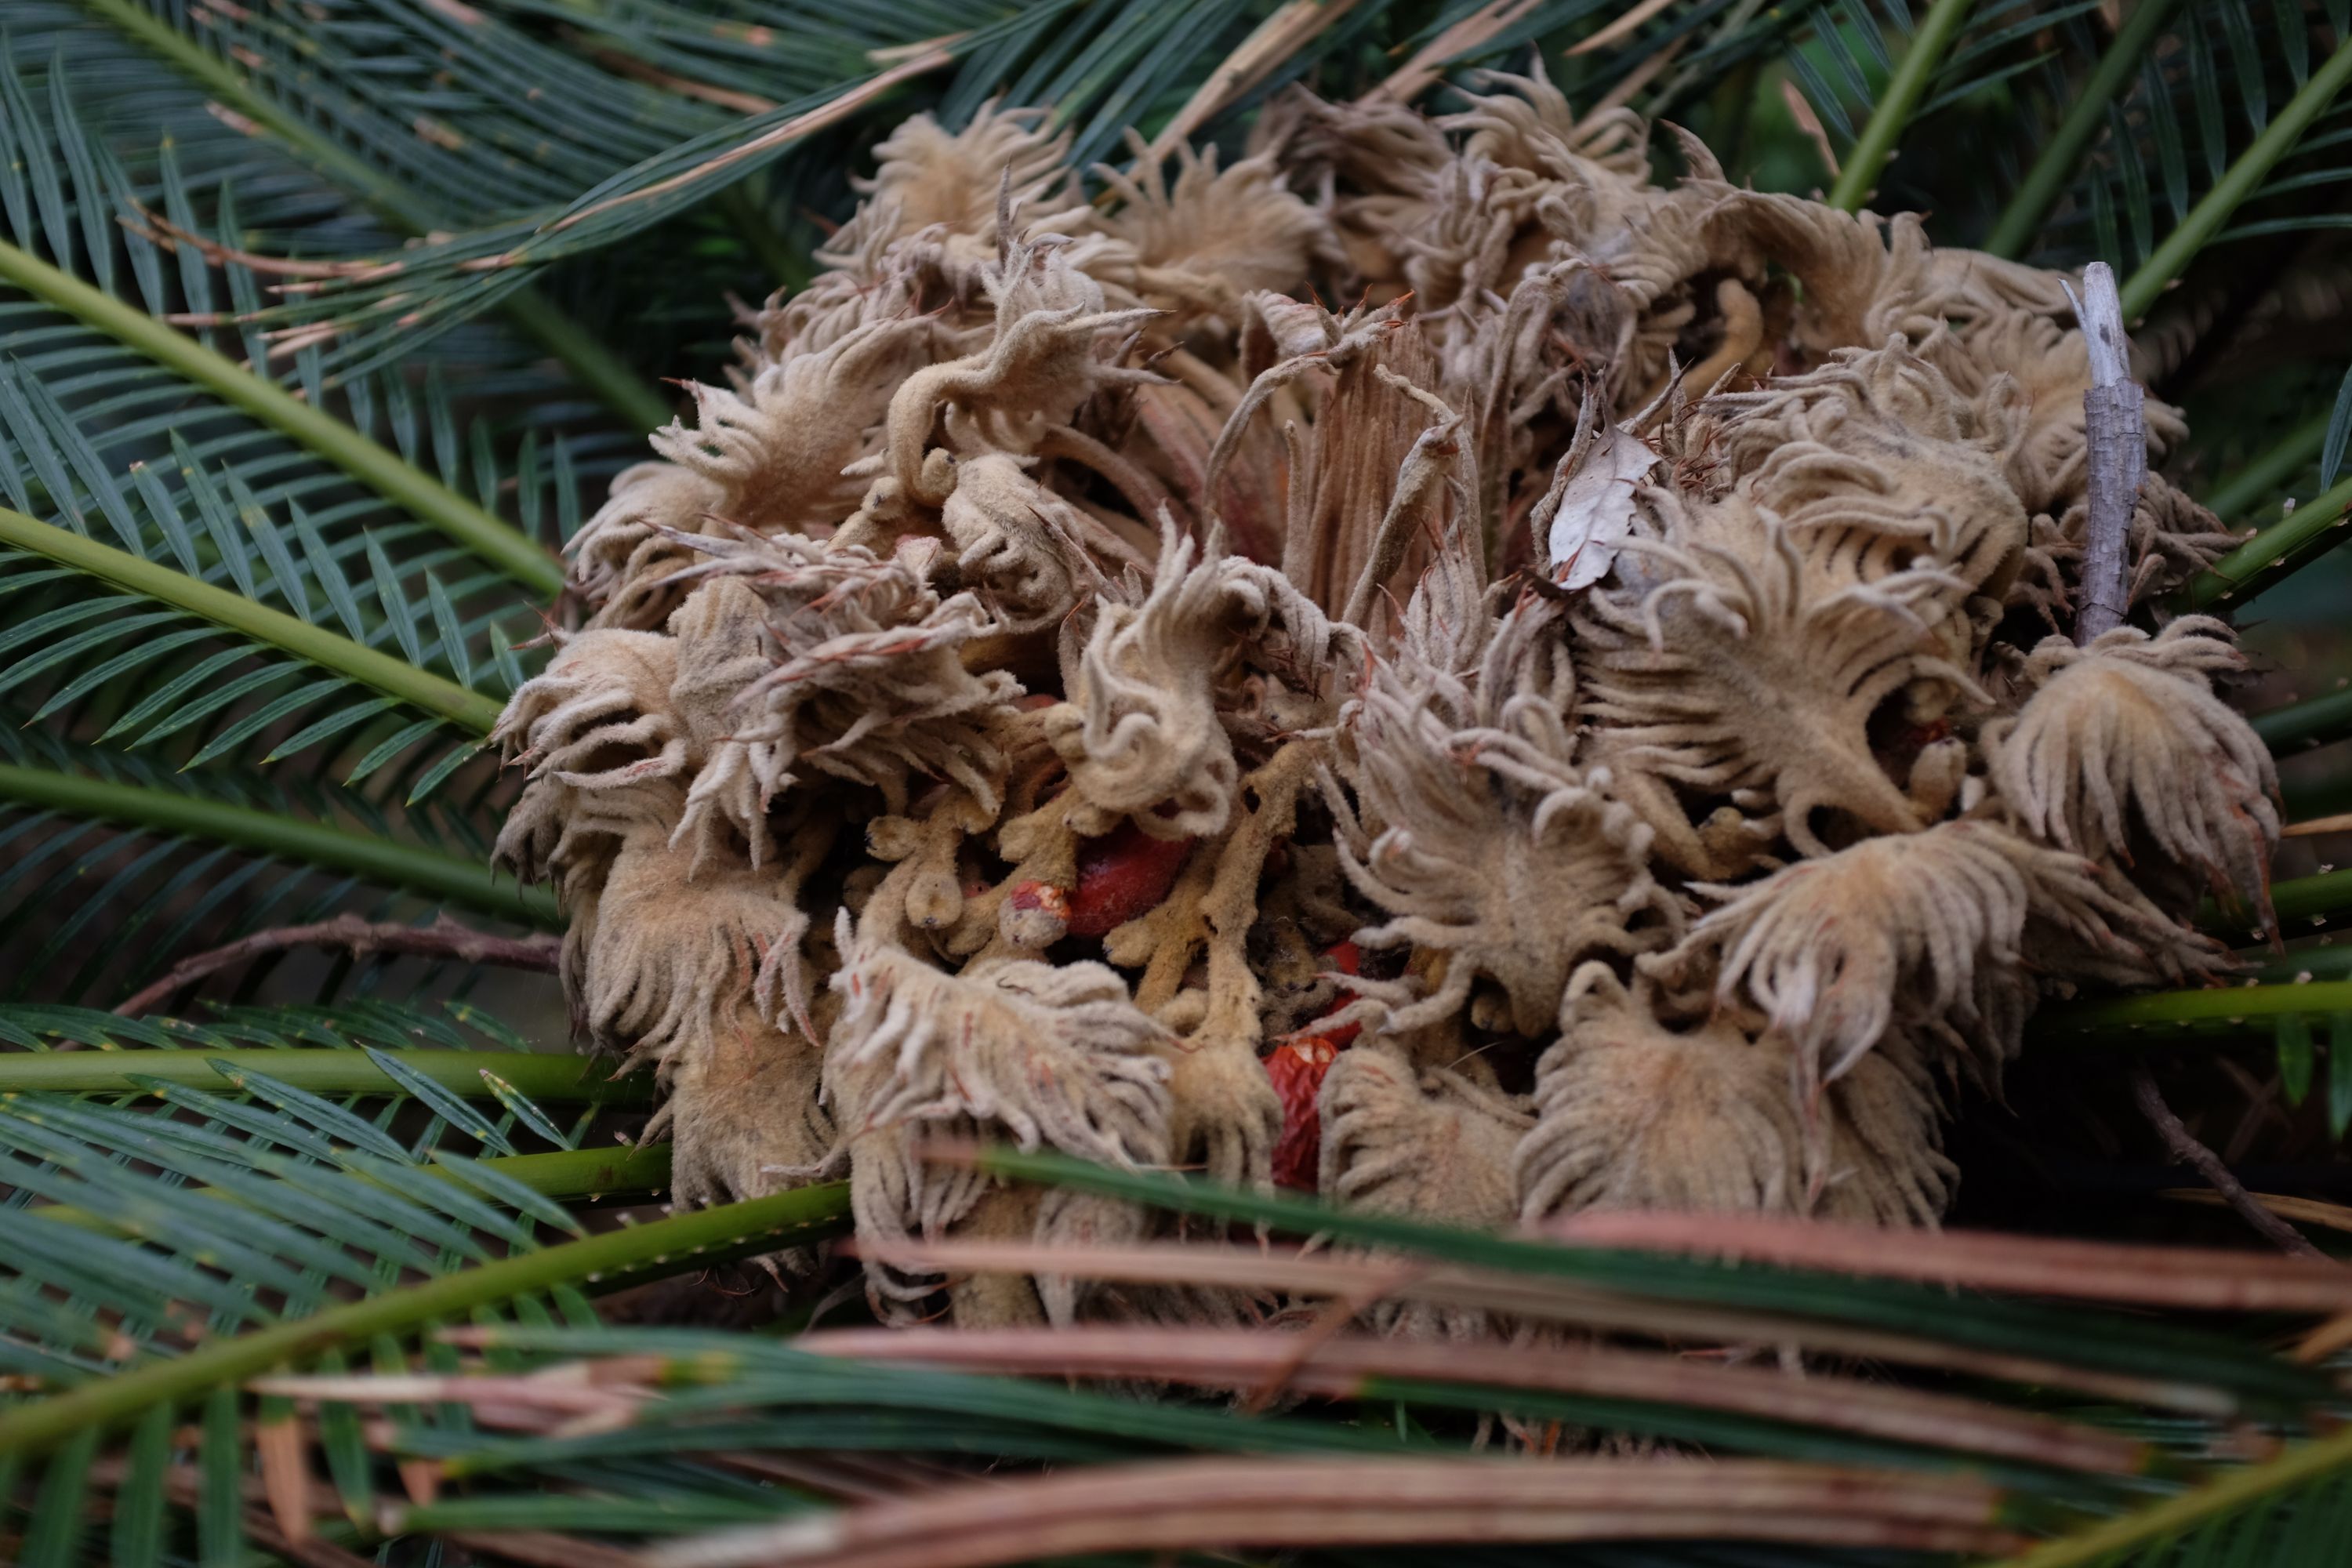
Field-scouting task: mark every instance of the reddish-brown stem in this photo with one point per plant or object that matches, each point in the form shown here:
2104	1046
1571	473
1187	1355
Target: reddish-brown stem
443	939
2184	1147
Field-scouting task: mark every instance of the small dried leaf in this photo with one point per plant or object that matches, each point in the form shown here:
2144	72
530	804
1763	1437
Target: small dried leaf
1594	508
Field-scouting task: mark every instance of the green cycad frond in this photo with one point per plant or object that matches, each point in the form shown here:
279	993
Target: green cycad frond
734	53
2180	124
269	1203
61	197
259	1128
307	81
1102	65
296	1203
171	604
2293	1510
221	636
506	134
2277	468
204	675
193	151
653	1456
529	1287
504	123
164	863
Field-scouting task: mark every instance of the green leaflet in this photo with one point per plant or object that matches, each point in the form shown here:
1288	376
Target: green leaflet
680	1243
405	486
241	615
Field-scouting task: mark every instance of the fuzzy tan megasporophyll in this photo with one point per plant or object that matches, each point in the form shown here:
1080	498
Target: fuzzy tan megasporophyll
1604	689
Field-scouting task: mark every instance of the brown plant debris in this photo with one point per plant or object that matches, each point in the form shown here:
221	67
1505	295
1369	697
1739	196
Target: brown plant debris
1586	726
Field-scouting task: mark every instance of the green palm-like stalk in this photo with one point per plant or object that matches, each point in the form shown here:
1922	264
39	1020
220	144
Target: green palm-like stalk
680	1243
406	486
571	1174
431	872
1896	104
598	368
2244	177
234	613
556	1078
2267	559
2063	153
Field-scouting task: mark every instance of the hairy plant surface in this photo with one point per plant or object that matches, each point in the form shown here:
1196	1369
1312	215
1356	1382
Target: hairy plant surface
1584	705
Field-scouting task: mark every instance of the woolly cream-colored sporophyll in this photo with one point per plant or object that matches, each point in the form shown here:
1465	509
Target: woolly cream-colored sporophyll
1574	728
2125	737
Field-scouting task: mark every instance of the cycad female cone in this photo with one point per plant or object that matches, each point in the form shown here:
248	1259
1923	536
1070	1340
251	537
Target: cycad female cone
1596	701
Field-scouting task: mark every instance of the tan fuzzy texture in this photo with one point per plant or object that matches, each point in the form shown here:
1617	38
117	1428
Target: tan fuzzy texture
1494	849
2125	737
606	757
1224	1112
1209	236
1636	1113
1567	725
1420	1142
1142	729
1875	461
598	723
1831	949
624	556
745	1114
1734	671
1042	1055
1427	1144
932	179
772	451
1885	1162
1639	1113
849	629
674	955
1054	345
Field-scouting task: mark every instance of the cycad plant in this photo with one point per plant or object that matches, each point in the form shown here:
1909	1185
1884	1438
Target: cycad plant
1296	593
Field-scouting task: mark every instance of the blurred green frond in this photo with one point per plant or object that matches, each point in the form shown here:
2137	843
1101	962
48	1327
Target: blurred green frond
167	863
2192	92
428	157
645	1436
58	196
167	609
219	1190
